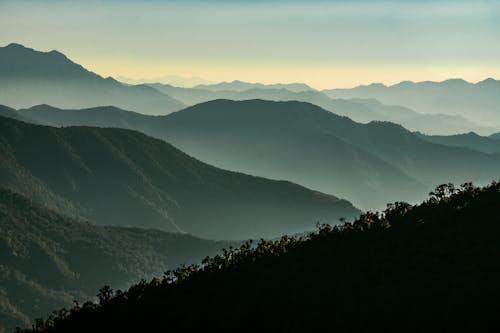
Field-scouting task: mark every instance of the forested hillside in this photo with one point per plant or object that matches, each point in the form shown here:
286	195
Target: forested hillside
48	260
368	164
429	267
122	177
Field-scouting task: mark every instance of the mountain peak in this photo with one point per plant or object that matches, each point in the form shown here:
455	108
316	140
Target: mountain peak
16	46
57	53
406	83
488	81
457	81
51	77
22	48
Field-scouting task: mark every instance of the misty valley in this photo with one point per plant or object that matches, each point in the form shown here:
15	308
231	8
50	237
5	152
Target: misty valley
188	204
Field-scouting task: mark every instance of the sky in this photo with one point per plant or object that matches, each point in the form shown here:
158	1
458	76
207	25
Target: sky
326	44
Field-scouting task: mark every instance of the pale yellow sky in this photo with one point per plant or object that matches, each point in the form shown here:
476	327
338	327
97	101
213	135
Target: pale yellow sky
319	77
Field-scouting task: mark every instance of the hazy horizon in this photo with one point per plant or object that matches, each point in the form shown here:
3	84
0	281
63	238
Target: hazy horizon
325	44
192	81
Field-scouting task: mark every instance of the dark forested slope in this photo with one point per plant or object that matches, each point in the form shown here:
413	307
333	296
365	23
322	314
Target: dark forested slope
431	267
48	260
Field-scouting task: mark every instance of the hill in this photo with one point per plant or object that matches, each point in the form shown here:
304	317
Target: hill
479	102
369	164
48	260
430	267
103	116
5	111
29	77
122	177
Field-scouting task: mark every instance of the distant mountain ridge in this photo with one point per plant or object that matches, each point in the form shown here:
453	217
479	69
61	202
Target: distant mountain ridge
303	143
8	112
122	177
20	62
240	86
479	102
29	77
487	144
176	80
495	136
360	110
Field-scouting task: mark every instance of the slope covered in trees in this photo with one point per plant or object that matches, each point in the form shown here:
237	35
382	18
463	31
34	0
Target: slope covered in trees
122	177
48	260
429	267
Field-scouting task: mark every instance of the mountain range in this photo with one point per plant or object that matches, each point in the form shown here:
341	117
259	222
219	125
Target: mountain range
241	86
479	102
104	183
47	260
360	110
176	80
121	177
488	144
29	77
8	112
495	136
303	143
